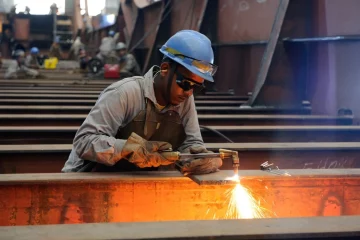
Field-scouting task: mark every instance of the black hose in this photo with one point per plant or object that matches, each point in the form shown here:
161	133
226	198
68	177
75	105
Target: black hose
217	132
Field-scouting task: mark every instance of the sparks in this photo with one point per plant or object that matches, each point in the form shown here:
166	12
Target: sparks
242	204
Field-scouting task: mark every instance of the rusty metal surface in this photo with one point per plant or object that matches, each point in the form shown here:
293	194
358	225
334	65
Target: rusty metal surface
130	13
51	158
277	82
240	20
153	16
340	227
271	47
22	29
238	67
187	14
130	198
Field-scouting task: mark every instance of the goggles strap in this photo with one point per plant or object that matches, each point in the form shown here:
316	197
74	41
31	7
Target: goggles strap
169	83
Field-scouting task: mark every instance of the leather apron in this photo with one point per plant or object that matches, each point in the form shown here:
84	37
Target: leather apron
151	125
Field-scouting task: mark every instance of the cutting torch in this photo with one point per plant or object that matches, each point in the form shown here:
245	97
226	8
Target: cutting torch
223	154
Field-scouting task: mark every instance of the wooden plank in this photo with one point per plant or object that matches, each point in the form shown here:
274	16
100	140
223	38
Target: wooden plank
343	227
54	109
45	158
65	134
204	119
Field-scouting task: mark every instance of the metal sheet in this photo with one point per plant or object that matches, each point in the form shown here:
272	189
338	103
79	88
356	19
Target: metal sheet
245	20
36	199
332	82
153	16
344	227
204	119
51	157
130	12
238	67
187	14
22	29
239	134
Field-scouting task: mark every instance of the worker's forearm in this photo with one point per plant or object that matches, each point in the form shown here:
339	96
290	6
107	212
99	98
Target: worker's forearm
99	148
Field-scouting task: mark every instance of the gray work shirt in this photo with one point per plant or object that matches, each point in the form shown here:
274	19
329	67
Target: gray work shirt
116	106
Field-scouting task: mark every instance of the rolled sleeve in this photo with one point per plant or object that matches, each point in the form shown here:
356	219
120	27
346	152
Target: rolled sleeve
95	139
191	125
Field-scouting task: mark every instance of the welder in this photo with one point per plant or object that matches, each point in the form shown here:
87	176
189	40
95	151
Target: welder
107	46
17	67
55	49
127	62
31	60
137	118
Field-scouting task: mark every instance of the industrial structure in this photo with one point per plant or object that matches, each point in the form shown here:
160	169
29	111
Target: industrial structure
282	114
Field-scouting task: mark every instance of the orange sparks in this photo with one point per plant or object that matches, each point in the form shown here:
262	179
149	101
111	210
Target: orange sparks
242	204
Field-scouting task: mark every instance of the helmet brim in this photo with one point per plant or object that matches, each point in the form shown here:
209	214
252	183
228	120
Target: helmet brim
192	69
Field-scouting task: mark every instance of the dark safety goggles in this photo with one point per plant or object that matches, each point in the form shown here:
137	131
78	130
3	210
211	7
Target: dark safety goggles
188	84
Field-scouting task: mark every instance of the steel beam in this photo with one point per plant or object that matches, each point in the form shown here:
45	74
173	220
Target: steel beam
45	158
204	119
238	134
40	199
344	227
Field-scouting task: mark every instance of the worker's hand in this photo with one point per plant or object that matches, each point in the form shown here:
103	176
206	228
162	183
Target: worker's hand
200	165
145	153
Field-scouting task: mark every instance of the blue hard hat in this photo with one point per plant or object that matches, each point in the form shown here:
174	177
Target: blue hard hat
111	33
192	50
34	50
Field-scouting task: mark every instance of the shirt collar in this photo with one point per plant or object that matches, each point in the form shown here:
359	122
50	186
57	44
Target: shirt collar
149	92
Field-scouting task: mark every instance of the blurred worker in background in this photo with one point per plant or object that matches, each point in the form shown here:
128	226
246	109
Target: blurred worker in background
107	46
31	60
83	59
55	49
75	48
136	118
54	9
128	64
17	67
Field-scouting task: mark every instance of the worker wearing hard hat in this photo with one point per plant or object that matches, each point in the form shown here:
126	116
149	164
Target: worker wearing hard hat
31	60
55	49
136	118
18	67
128	64
107	45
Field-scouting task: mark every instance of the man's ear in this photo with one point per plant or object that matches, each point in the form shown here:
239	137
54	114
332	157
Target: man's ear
164	68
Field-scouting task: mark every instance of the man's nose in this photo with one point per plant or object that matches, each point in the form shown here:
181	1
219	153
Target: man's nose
188	93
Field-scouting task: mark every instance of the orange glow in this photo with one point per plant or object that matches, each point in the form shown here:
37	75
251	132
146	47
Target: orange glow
241	204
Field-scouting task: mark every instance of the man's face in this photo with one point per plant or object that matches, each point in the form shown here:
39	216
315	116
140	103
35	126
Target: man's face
21	59
177	94
122	52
